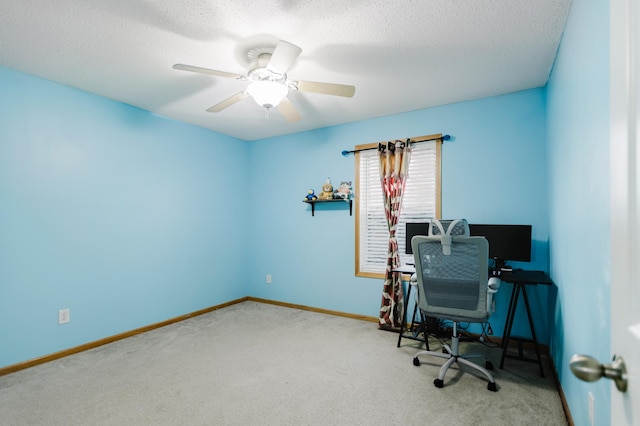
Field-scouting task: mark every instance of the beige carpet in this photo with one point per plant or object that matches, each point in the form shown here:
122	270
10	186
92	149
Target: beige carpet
259	364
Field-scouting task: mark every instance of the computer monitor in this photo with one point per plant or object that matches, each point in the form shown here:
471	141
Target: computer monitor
412	229
506	242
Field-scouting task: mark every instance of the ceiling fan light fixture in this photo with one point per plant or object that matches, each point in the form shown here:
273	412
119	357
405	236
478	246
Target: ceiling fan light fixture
268	82
267	94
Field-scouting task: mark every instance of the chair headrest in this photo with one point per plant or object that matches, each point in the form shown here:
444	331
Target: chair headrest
448	229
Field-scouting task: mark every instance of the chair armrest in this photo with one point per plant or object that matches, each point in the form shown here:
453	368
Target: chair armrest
494	284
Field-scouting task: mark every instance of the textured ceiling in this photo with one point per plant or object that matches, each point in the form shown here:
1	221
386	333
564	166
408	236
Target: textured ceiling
401	55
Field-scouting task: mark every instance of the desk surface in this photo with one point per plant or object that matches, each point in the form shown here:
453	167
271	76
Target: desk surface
406	269
517	276
521	276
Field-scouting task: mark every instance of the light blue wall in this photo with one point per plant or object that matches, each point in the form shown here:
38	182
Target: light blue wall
494	171
578	134
122	216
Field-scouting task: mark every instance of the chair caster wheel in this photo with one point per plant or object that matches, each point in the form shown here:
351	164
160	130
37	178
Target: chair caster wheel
416	362
488	365
492	387
440	383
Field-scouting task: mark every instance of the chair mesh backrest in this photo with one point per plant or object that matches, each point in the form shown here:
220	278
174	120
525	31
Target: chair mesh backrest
452	285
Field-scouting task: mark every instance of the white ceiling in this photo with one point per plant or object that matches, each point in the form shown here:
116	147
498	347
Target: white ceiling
401	55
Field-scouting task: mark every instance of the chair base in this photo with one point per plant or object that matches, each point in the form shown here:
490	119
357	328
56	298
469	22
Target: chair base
451	354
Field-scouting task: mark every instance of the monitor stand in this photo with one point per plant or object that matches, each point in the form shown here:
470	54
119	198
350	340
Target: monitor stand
501	265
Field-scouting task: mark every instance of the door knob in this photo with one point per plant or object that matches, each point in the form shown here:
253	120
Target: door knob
589	369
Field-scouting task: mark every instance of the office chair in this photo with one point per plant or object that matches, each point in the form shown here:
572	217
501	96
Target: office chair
452	282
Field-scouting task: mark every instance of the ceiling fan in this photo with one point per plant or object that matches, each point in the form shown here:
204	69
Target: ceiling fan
269	84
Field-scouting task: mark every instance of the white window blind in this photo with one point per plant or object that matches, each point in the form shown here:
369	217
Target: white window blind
420	204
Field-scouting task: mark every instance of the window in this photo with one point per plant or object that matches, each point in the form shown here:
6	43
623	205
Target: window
421	202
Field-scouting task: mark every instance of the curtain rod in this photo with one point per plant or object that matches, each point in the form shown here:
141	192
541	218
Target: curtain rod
443	138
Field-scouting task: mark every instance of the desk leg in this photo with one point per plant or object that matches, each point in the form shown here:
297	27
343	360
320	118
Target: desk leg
403	323
533	331
513	304
421	325
511	313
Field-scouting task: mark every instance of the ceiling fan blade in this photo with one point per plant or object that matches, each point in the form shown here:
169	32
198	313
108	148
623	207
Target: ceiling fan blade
325	88
200	70
283	57
288	110
228	102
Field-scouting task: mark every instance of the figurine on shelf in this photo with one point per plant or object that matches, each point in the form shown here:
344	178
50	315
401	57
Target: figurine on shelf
327	191
311	195
344	191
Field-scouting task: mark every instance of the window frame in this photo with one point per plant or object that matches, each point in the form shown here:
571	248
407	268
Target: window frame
438	193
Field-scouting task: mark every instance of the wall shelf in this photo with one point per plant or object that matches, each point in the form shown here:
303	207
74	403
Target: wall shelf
313	204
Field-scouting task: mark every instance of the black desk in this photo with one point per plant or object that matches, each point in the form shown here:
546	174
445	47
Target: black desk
520	279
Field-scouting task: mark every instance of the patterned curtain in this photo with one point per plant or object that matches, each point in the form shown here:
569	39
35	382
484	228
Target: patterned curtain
394	160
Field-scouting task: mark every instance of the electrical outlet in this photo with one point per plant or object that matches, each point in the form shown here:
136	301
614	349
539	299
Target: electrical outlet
268	278
64	316
592	409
